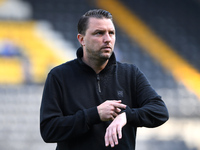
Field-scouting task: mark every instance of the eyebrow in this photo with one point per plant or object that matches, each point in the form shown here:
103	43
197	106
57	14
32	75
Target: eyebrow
102	30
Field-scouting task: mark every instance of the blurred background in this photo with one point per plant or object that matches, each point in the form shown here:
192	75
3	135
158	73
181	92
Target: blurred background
161	37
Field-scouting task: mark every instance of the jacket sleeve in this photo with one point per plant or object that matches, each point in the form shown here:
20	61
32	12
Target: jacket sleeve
151	111
54	126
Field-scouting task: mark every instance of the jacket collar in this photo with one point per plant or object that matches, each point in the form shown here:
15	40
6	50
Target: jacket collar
79	54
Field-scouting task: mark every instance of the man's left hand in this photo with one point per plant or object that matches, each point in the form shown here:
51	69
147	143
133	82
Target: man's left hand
114	130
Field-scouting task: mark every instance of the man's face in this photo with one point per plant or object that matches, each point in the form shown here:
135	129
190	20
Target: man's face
99	39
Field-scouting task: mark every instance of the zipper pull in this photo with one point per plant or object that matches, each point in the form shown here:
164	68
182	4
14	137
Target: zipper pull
98	83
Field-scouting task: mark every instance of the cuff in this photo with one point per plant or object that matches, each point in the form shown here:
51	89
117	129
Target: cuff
92	116
128	113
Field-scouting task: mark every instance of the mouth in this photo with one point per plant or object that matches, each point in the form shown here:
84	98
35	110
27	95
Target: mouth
106	48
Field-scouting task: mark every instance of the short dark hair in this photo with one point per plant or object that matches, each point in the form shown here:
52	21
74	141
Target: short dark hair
96	13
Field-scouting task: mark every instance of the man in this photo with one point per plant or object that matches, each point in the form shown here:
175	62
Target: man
95	102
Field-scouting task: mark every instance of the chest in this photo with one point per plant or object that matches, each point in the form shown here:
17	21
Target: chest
86	91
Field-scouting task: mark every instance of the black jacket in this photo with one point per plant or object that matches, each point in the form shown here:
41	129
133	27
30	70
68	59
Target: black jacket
72	93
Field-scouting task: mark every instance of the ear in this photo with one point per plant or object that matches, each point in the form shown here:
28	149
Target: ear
80	38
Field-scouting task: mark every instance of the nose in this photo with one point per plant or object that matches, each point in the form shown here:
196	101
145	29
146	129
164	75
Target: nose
107	38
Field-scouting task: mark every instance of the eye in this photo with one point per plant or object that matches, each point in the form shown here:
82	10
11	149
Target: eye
112	32
99	33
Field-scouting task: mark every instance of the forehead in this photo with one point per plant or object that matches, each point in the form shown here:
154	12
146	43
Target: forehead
100	24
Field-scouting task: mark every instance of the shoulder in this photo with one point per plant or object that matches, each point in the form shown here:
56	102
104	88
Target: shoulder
128	69
126	66
61	73
63	68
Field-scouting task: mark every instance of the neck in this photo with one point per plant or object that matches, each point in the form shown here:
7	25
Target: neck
97	66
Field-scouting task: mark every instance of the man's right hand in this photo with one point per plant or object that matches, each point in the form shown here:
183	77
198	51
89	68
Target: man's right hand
110	109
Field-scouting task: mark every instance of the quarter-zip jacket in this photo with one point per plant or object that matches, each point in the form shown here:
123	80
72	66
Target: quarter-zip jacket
72	92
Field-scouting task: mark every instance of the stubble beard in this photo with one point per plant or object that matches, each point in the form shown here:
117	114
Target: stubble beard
100	55
104	56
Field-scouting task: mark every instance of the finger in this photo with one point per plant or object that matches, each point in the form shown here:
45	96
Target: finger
119	105
106	139
114	114
112	118
117	110
111	138
119	132
113	101
118	101
114	136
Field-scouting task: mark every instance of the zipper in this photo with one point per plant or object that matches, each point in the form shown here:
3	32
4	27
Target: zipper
98	83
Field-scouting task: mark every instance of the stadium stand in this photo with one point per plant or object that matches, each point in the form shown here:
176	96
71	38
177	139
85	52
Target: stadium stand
35	52
176	22
44	34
